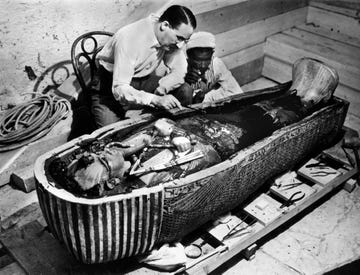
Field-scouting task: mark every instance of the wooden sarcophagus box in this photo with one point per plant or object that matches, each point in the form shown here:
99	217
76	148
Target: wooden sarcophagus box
127	221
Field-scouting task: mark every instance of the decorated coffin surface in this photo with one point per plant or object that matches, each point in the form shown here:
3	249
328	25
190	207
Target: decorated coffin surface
100	229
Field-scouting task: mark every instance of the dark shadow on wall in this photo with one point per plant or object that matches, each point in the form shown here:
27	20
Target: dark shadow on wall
50	80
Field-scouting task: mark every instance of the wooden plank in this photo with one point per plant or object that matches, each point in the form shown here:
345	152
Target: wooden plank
315	29
234	16
23	216
245	36
349	54
334	21
36	250
12	200
224	255
289	49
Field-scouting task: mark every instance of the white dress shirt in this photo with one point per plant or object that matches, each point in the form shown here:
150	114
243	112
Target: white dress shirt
134	51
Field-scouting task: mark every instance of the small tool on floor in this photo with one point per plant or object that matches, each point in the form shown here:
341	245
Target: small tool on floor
321	173
297	196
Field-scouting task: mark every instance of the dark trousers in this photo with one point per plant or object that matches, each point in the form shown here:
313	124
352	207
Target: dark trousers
106	110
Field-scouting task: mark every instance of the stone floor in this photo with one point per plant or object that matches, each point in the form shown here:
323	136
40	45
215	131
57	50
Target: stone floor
325	238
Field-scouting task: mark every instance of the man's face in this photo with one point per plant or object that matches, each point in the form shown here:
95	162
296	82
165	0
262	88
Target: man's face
173	38
200	58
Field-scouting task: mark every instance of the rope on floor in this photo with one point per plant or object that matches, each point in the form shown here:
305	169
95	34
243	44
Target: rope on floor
31	120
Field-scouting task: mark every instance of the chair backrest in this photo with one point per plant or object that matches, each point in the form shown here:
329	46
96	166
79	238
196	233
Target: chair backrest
83	56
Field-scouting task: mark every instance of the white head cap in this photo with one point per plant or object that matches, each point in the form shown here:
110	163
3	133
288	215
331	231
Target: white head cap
201	40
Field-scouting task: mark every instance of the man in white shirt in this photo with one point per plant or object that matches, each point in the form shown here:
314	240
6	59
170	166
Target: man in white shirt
207	78
130	57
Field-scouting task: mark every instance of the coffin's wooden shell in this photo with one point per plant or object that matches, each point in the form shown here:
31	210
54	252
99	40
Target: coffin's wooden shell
114	227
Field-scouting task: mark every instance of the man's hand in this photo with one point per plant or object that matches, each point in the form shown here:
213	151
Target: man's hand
192	76
160	91
199	97
167	102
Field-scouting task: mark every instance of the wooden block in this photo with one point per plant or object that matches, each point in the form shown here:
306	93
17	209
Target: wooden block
285	194
266	215
24	179
224	225
350	185
320	173
249	252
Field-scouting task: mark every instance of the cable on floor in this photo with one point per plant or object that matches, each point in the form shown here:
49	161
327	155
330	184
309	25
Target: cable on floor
31	120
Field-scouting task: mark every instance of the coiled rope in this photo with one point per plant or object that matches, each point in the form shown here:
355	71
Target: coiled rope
31	120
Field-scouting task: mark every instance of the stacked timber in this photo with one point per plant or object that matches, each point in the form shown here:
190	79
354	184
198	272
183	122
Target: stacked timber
330	35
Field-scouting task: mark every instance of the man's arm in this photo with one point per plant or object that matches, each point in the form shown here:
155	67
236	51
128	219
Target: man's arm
177	66
124	64
228	84
124	69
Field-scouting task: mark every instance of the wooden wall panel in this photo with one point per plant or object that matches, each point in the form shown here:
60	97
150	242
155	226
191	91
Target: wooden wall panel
334	21
249	71
234	16
246	65
239	38
244	56
289	49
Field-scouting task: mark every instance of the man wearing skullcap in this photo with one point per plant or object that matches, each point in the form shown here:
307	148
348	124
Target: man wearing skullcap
207	78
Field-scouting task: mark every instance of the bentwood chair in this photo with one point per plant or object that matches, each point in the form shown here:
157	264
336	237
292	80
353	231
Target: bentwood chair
84	52
83	57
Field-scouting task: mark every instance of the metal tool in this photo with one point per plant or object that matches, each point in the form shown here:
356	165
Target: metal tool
318	165
297	196
288	185
322	173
